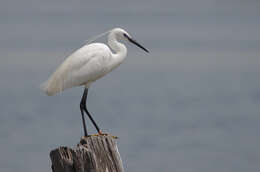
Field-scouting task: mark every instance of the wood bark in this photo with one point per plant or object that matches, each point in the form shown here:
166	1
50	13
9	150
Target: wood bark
92	154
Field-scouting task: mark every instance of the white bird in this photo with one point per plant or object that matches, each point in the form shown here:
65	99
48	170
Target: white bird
86	65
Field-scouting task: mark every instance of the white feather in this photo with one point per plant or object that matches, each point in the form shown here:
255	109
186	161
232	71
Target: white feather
89	63
84	66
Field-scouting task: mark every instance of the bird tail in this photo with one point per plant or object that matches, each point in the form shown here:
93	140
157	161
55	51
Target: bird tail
52	86
46	88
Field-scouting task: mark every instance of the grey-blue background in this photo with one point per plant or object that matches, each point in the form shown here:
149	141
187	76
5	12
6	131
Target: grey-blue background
192	104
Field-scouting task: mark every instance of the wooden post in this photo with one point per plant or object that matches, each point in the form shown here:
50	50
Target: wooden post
92	154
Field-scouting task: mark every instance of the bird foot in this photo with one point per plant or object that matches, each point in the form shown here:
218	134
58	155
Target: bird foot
103	134
99	134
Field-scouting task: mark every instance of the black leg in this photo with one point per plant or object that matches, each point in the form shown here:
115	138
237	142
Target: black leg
84	123
84	102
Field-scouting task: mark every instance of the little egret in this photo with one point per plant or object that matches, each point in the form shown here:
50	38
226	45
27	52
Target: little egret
88	64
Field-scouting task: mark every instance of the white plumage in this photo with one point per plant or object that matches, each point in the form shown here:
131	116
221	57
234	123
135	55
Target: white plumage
84	66
88	64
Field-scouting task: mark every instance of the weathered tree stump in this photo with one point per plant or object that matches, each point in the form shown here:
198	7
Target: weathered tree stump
92	154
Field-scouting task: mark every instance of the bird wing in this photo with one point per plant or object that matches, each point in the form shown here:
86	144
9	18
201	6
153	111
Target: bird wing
83	66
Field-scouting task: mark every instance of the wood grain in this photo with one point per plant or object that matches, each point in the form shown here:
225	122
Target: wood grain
92	154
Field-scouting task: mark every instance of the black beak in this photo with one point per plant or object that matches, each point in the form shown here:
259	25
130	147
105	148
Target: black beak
136	43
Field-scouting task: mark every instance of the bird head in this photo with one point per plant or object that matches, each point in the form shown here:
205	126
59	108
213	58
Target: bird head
123	35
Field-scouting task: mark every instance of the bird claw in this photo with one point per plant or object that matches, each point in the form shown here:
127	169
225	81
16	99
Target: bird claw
103	134
99	134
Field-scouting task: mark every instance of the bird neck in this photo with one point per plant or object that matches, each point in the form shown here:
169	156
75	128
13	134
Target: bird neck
118	48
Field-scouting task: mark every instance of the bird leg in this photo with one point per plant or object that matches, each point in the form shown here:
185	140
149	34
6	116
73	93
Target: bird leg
82	102
84	107
84	123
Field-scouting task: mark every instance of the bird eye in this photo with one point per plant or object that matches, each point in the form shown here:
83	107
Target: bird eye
125	35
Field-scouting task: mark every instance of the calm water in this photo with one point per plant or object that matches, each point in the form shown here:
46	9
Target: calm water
192	104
